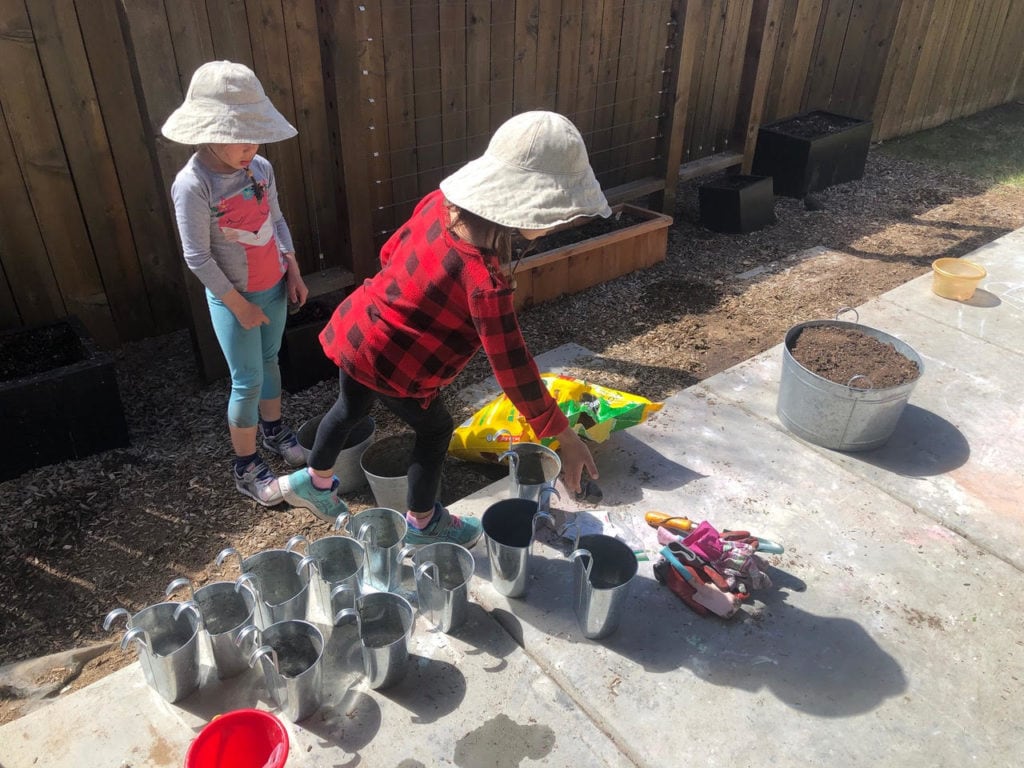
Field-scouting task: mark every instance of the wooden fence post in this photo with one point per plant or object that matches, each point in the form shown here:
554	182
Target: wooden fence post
762	41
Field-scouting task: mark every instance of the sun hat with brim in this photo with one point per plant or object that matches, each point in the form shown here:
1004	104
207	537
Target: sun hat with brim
226	104
534	174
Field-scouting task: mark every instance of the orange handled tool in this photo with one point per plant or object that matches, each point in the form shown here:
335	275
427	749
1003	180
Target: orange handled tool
672	522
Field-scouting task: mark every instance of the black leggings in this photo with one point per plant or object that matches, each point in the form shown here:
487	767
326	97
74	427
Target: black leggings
433	427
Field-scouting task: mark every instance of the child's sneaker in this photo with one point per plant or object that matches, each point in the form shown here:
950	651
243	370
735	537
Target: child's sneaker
446	527
299	491
286	445
258	483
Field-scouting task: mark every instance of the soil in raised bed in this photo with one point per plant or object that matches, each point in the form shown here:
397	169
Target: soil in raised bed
31	352
594	227
840	354
814	124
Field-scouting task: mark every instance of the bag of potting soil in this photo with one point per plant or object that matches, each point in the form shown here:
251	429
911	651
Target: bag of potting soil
593	411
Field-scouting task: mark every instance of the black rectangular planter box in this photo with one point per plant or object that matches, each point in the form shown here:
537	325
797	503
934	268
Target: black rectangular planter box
737	203
302	359
59	397
811	151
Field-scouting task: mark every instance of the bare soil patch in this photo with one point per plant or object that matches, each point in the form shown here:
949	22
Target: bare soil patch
81	538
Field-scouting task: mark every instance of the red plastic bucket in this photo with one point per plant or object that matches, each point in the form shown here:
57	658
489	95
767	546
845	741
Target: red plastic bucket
245	738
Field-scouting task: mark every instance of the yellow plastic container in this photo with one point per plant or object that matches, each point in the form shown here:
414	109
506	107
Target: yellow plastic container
955	278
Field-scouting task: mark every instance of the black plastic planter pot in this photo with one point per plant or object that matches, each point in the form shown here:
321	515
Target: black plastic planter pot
59	397
811	151
737	203
302	359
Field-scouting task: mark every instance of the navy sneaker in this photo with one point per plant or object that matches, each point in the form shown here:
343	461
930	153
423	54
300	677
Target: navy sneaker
285	444
258	483
299	491
446	527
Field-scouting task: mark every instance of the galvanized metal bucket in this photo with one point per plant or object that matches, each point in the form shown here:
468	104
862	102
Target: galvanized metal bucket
277	580
291	654
443	571
382	533
167	635
532	467
510	527
839	416
335	566
603	569
347	466
225	607
385	622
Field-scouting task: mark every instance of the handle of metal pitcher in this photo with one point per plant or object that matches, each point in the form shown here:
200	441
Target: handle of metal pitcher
341	521
405	552
189	605
294	541
139	635
544	499
307	562
577	554
244	634
108	620
177	584
227	552
346	613
842	310
422	568
513	462
495	435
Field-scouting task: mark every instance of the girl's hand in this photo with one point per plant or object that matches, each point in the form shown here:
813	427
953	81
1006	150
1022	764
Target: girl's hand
249	315
575	457
297	290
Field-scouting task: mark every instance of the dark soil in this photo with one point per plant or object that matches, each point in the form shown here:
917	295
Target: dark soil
579	232
814	124
847	356
31	352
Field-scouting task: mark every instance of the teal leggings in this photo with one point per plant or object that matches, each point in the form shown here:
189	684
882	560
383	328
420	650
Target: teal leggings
252	354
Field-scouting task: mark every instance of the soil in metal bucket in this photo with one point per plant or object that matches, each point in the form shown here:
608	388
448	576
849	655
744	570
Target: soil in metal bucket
534	468
840	354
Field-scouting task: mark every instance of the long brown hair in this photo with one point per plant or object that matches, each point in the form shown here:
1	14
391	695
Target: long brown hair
484	233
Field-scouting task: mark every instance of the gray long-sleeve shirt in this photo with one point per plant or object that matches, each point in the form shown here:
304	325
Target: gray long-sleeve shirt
232	235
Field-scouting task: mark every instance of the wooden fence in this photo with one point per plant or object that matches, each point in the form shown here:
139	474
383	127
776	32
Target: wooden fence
391	95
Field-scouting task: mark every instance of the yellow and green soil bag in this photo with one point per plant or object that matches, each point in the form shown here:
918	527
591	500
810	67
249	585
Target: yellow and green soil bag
593	411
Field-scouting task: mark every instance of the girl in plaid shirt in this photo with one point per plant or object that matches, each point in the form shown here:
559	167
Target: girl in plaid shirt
443	293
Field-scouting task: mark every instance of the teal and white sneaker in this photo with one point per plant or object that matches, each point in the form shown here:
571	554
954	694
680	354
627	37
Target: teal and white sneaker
445	526
285	444
258	483
299	491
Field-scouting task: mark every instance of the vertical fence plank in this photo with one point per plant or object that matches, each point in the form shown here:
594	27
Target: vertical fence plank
588	69
546	73
700	23
681	57
853	56
728	83
980	82
1009	58
371	112
798	61
503	25
925	74
900	70
26	269
625	91
599	141
453	83
144	198
478	65
307	84
759	60
76	108
229	31
190	34
567	68
700	139
399	89
877	44
940	101
427	89
828	48
36	139
524	69
642	158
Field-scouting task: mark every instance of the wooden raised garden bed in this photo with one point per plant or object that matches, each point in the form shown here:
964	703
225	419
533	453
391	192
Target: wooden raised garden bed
59	397
591	253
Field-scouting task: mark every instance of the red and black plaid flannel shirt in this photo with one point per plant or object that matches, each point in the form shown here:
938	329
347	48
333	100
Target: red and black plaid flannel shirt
410	329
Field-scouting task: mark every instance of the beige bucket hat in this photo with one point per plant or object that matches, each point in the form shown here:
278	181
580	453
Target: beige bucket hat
535	174
226	104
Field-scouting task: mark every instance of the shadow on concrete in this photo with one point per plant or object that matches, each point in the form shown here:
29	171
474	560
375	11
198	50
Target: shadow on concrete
923	445
826	666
